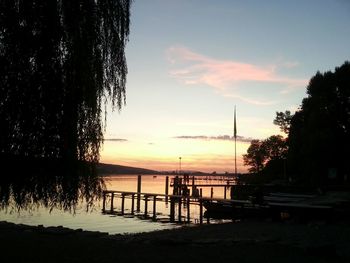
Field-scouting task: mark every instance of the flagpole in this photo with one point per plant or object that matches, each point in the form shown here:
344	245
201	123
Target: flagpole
235	136
235	157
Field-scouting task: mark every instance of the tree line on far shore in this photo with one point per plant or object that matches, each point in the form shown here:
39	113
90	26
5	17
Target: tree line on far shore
316	149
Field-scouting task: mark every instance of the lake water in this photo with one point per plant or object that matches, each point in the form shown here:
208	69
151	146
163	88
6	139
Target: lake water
95	220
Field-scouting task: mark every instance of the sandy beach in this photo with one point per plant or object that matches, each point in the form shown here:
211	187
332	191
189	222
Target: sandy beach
244	241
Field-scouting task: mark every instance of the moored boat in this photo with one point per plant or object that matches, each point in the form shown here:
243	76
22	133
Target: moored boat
233	209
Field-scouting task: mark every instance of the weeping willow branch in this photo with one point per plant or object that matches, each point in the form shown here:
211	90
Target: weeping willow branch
61	62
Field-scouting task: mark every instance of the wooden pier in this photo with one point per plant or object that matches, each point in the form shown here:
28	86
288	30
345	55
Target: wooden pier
175	207
187	192
173	200
243	200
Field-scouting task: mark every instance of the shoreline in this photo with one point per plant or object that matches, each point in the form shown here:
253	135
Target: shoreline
244	241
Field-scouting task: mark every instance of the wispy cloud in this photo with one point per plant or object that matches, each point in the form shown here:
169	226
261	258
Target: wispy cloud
290	64
220	138
226	76
115	140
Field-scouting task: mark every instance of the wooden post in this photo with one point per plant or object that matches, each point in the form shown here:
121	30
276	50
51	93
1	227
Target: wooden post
154	207
112	197
180	186
104	203
224	192
138	192
166	188
193	186
146	203
123	200
176	185
179	212
211	192
200	211
200	192
188	209
172	209
132	203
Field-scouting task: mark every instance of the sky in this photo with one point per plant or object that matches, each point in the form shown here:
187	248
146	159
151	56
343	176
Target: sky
190	62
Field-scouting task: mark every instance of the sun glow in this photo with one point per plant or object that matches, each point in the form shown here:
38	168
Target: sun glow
205	155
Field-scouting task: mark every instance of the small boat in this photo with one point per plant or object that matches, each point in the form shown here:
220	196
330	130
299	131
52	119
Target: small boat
219	209
228	209
218	206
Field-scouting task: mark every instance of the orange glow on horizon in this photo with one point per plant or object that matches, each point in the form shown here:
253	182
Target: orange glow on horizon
196	155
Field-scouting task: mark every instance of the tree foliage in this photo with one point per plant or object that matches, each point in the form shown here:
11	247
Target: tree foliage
283	120
255	157
61	61
275	147
319	137
262	152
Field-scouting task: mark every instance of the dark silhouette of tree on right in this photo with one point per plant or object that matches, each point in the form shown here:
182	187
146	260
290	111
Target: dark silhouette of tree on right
317	149
319	134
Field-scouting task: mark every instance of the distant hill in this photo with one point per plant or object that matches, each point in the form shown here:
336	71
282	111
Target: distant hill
106	169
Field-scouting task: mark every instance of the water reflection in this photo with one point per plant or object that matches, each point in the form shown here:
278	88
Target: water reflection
52	193
50	184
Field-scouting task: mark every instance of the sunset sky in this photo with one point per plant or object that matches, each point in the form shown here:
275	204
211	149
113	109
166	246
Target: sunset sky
191	61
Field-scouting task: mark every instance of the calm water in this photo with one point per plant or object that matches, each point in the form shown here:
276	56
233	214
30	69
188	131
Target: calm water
94	220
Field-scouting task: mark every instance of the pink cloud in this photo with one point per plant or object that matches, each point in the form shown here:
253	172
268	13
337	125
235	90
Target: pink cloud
225	76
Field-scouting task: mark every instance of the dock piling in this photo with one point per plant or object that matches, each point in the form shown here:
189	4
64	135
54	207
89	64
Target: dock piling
123	201
188	210
132	203
179	212
172	209
200	211
104	203
138	192
193	186
146	204
112	197
154	207
166	188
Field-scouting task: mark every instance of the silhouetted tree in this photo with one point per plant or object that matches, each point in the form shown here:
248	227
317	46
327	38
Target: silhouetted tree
283	120
61	61
260	153
255	157
275	147
47	184
319	137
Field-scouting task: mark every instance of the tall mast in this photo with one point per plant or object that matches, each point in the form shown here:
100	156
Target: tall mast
235	136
